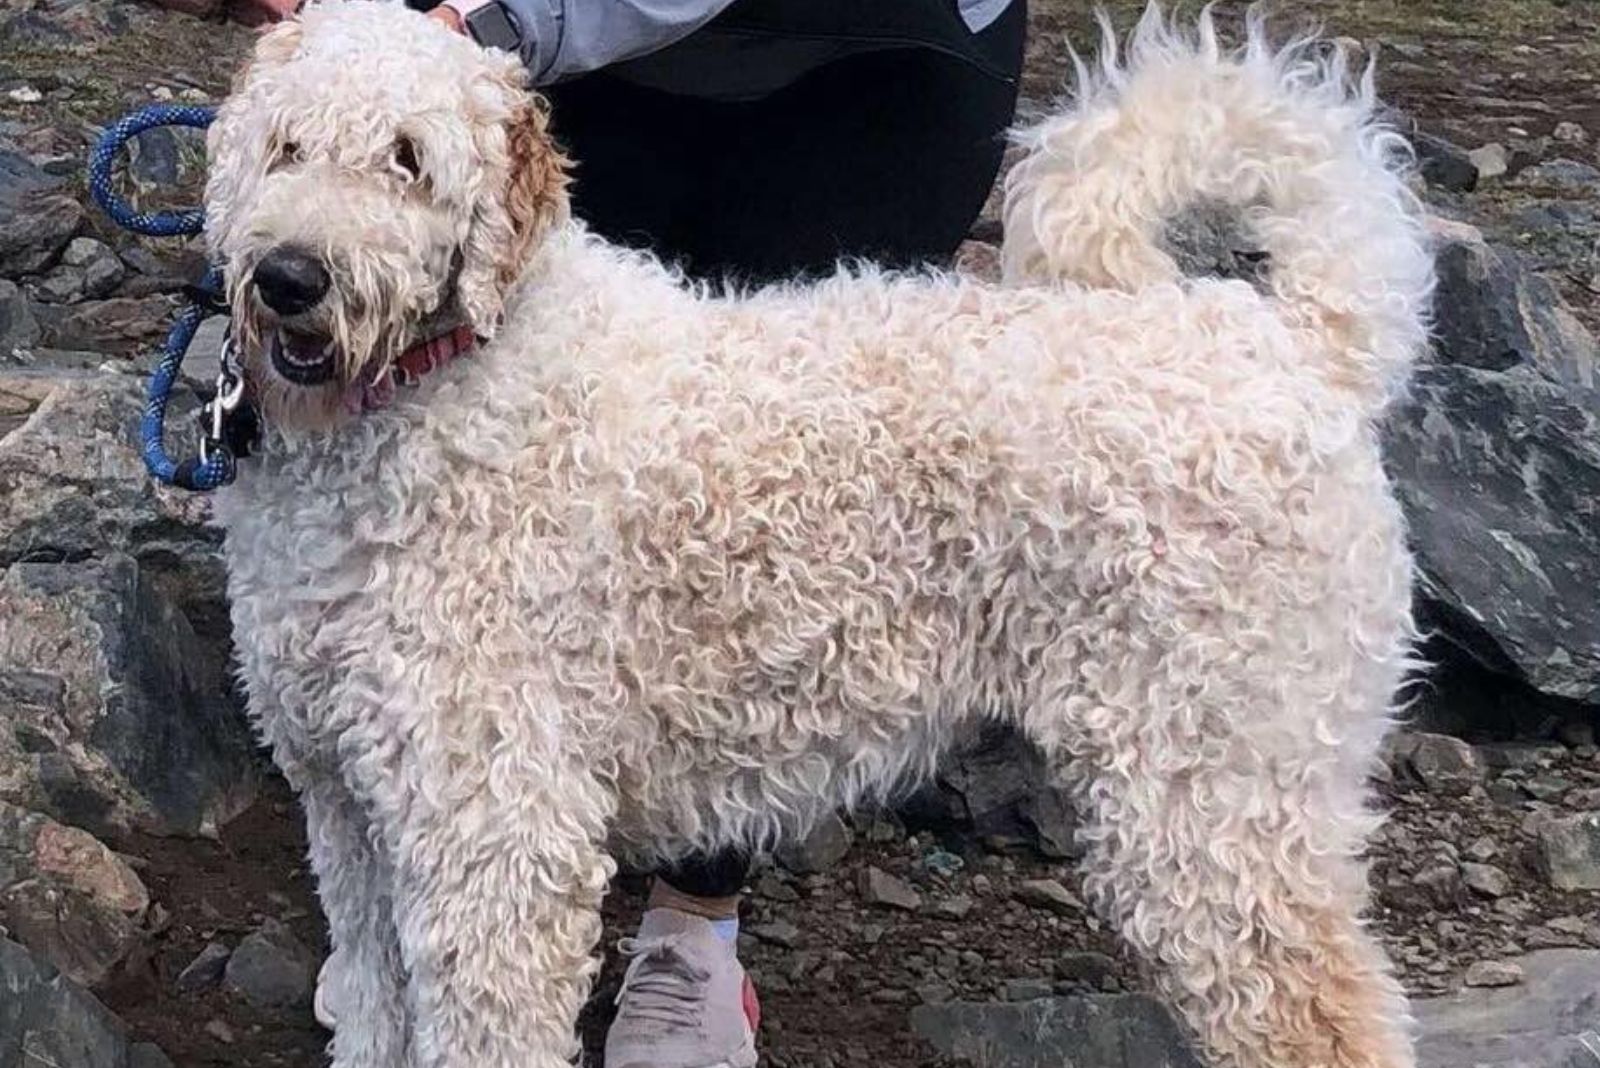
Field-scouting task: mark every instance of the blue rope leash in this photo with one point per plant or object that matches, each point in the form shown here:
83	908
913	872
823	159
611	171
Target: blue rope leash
215	465
104	156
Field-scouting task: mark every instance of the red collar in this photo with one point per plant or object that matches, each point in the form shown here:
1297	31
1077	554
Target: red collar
409	368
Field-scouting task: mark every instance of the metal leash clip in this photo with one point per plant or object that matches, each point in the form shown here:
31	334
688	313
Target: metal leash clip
229	395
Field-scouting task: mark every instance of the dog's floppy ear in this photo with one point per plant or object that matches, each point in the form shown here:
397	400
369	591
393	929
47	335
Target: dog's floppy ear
527	196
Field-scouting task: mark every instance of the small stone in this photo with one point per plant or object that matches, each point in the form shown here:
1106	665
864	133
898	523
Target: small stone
1583	800
100	267
773	888
777	933
1491	160
271	968
935	993
205	971
1570	925
982	884
1493	973
883	829
1050	895
1482	849
83	862
1505	792
24	94
61	285
1445	765
955	907
878	887
1439	882
220	1031
1485	879
81	251
820	850
1546	787
1091	969
1570	133
1444	165
943	863
1027	989
1566	176
1569	851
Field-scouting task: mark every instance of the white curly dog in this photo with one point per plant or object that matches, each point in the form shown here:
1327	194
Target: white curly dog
655	569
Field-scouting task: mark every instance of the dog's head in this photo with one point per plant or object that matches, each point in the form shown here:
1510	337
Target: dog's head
374	180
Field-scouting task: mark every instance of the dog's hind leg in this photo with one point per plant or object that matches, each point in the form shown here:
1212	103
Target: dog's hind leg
1223	840
361	990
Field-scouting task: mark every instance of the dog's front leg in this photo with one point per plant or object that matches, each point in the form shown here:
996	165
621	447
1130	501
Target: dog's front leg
361	991
499	872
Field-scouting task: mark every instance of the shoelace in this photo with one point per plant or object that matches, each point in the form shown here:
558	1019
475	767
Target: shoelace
666	986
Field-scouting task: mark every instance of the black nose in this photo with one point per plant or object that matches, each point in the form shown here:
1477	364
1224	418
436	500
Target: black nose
290	280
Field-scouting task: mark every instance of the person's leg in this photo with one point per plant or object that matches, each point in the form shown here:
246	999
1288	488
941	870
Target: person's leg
887	155
704	886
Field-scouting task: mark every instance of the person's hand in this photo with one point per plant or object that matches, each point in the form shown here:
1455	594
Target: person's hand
448	16
262	12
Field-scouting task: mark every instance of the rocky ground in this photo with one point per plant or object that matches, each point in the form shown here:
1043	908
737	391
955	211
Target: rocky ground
149	856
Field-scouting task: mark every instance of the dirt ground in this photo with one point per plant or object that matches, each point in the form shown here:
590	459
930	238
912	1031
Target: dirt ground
838	994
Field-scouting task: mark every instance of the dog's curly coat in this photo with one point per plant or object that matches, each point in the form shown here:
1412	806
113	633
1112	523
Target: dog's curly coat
680	570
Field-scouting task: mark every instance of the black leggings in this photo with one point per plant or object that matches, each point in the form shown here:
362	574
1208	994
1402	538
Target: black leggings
886	154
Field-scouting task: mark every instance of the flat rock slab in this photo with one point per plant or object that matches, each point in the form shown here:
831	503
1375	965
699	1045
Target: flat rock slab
1088	1031
1552	1020
46	1020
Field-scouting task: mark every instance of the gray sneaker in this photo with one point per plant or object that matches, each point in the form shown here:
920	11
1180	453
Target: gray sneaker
685	1002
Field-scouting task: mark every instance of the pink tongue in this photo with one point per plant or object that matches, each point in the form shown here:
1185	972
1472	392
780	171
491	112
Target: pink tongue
371	391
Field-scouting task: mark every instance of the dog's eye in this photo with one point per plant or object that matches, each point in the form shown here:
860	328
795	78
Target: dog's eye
405	157
288	152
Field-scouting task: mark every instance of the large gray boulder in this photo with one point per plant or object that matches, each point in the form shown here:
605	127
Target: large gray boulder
1496	459
120	717
1494	315
1552	1020
1082	1031
1499	474
72	484
114	637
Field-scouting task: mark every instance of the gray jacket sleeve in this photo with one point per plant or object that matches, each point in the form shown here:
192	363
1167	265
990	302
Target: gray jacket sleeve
566	37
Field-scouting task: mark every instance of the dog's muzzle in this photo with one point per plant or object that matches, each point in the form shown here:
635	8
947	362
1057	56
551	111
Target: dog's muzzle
292	281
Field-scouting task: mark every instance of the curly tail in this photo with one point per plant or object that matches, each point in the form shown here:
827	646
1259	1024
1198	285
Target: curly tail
1288	136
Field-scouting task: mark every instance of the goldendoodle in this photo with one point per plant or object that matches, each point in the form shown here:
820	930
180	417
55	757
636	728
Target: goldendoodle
548	553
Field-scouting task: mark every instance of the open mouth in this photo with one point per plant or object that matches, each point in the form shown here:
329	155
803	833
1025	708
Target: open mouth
304	359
